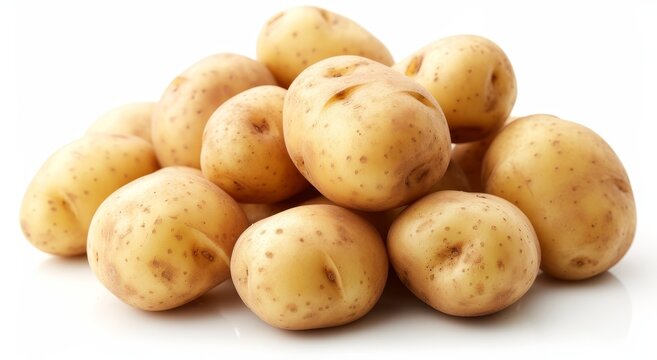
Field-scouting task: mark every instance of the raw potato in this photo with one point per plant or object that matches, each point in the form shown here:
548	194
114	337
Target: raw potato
453	179
243	149
364	135
299	37
573	188
470	157
464	254
165	239
310	267
471	78
186	105
66	191
129	119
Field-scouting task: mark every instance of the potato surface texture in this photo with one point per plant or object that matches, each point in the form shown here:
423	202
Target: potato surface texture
464	254
186	105
364	135
309	267
299	37
471	78
129	119
243	148
66	191
573	188
164	239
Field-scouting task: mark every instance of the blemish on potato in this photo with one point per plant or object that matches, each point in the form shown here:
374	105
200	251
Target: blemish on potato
269	254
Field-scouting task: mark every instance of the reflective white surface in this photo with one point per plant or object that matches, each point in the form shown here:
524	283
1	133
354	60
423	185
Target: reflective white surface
68	62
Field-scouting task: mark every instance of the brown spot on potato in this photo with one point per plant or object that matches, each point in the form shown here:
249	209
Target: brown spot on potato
582	261
500	265
292	307
329	275
279	231
480	288
261	127
269	254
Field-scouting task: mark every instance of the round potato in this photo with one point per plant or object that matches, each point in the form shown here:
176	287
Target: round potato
129	119
472	79
186	105
309	267
299	37
464	254
470	157
243	148
165	239
68	188
364	135
573	188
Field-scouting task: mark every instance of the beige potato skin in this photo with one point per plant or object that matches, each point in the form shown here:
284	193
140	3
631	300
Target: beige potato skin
464	254
364	135
68	188
186	105
165	239
129	119
573	188
299	37
472	79
243	149
309	267
470	157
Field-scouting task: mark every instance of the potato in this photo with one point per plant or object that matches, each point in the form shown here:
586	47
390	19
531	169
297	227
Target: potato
243	150
573	188
470	157
364	135
453	179
299	37
471	78
66	191
186	105
309	267
464	254
165	239
129	119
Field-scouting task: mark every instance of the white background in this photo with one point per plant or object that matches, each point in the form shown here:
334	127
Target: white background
63	63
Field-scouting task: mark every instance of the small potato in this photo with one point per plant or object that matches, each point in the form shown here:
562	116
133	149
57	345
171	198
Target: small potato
243	149
464	254
130	119
299	37
472	79
470	157
309	267
66	191
186	105
364	135
165	239
573	188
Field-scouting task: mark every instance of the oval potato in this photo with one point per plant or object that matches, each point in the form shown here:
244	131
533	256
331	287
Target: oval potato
573	188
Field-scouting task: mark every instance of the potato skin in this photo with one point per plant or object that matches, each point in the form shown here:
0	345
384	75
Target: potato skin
309	267
464	254
129	119
186	105
164	239
243	149
472	79
573	188
364	135
68	188
299	37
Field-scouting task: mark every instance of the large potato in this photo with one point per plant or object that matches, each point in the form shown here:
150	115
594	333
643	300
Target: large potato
464	254
364	135
471	78
573	188
243	148
299	37
308	267
186	105
165	239
129	119
66	191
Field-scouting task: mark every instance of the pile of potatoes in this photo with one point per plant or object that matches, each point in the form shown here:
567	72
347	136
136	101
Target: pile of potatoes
303	175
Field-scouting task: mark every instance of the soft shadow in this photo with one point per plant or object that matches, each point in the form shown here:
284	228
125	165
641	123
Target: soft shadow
59	264
223	298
